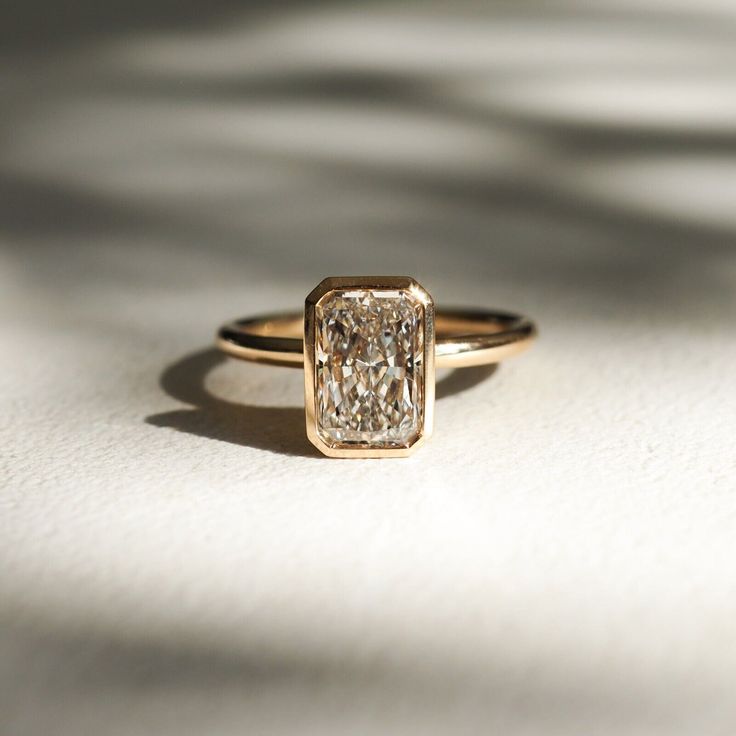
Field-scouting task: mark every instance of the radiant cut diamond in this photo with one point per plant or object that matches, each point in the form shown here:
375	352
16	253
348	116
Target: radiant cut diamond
369	370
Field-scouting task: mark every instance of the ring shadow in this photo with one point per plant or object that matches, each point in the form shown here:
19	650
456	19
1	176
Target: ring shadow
273	428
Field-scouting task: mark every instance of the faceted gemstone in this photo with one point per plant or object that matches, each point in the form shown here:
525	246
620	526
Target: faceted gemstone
369	367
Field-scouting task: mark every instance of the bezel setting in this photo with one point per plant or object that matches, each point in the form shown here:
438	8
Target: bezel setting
422	398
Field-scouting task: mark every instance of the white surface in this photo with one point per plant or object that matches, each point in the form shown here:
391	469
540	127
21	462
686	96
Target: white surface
561	559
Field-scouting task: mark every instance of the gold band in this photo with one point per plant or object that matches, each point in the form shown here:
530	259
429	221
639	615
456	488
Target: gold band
465	337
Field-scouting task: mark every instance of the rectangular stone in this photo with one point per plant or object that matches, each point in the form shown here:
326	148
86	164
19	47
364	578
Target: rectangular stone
369	367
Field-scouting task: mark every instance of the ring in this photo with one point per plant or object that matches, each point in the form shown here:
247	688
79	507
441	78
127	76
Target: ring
369	347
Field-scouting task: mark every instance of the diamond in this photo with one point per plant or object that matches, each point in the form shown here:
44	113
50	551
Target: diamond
369	367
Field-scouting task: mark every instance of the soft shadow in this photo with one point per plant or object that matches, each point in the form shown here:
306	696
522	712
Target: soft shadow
463	379
274	428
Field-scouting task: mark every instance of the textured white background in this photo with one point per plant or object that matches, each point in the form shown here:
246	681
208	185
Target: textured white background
561	559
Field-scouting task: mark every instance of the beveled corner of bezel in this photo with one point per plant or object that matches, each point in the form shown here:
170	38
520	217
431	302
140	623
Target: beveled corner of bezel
337	283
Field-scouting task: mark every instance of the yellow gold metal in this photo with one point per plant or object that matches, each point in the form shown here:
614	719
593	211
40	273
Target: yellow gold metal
464	337
453	338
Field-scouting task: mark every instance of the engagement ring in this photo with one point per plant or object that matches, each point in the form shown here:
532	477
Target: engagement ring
369	347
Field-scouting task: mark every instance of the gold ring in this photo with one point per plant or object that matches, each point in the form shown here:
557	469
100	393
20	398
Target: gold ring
369	346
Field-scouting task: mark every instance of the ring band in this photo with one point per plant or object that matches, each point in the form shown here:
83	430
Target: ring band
369	346
464	338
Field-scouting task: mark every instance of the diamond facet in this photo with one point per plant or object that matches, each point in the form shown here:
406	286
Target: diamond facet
369	367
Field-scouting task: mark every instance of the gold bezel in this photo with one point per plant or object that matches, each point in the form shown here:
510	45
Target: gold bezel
335	283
